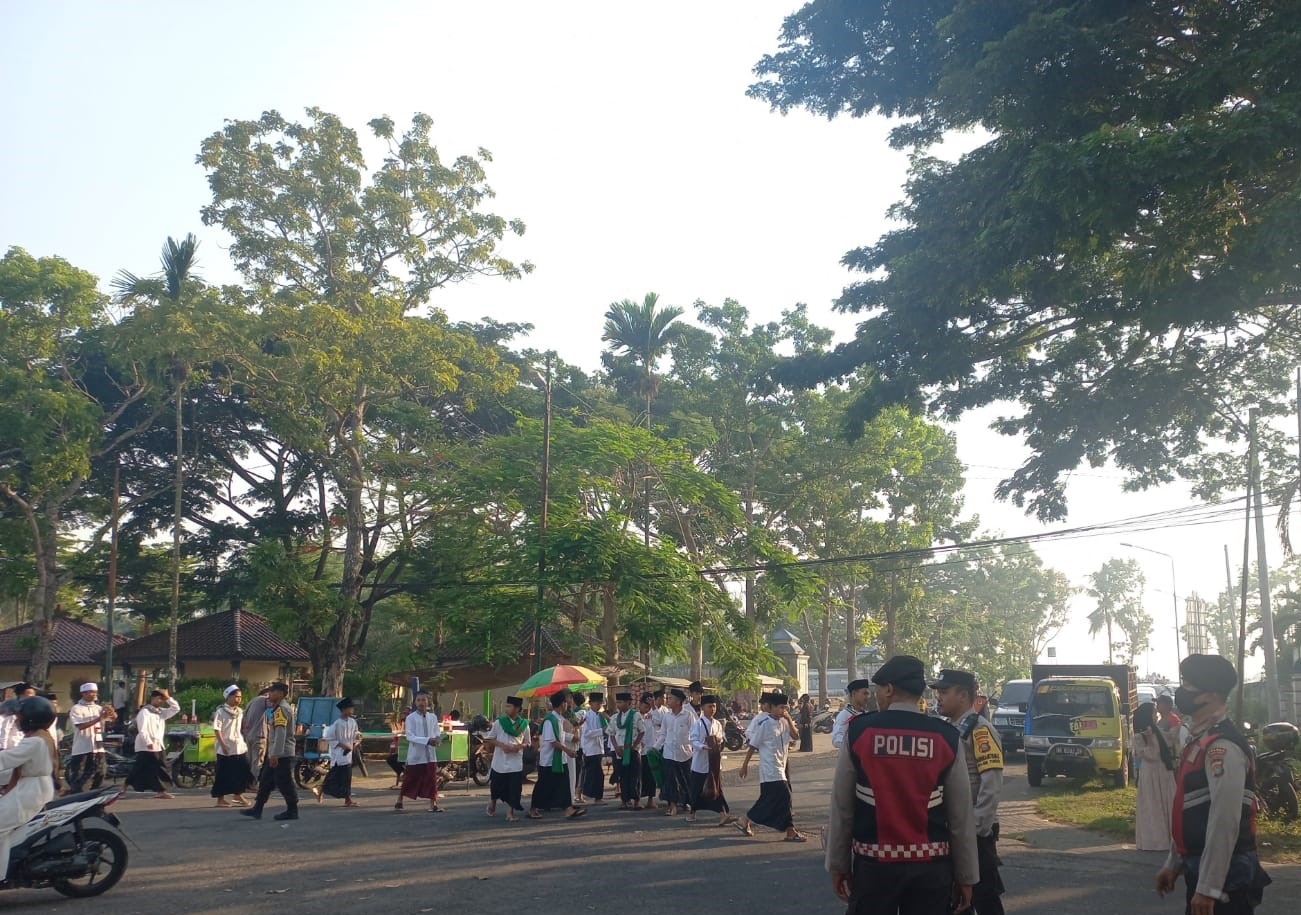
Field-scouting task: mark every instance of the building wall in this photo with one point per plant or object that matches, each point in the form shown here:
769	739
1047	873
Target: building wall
63	679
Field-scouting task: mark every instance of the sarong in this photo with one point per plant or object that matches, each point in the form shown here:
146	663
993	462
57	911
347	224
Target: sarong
233	776
773	809
420	780
338	782
507	788
677	784
593	778
648	785
147	772
551	791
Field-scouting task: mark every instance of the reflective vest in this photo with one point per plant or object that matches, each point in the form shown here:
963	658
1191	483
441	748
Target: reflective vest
901	760
1192	804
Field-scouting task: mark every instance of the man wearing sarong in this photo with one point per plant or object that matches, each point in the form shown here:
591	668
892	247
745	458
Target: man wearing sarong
772	741
655	742
342	735
677	751
648	784
234	775
626	734
420	775
551	791
575	715
277	762
592	740
148	771
707	762
508	737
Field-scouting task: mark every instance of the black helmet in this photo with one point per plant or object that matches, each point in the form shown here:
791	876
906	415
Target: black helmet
1279	736
36	712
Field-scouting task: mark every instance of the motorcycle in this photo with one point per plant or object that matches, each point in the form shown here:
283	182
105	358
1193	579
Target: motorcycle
1276	781
824	722
733	734
74	845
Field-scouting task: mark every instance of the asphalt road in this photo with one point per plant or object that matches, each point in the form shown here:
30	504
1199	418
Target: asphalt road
195	859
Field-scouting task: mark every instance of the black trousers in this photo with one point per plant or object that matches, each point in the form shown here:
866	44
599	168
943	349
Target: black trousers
86	767
901	887
281	777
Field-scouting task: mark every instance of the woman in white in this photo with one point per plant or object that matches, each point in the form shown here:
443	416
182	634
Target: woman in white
234	774
1155	788
31	765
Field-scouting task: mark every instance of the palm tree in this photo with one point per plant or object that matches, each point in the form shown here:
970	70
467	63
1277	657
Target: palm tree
169	288
644	332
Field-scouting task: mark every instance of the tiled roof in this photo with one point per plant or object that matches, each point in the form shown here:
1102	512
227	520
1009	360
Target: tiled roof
223	636
73	642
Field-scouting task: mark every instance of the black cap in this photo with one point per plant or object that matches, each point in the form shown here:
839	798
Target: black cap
1208	672
559	699
659	693
904	671
279	686
623	697
778	699
515	701
707	698
858	684
345	702
695	687
964	679
647	698
678	694
579	698
596	697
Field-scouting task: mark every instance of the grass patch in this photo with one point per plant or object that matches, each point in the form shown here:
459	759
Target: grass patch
1111	811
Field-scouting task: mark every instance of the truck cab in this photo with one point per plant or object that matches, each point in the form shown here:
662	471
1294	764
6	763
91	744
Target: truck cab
1078	726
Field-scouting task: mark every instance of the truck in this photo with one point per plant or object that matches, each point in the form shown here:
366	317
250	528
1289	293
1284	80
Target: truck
1077	722
1009	714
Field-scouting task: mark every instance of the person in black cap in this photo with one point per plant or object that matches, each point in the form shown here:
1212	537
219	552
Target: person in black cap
706	764
695	690
508	737
677	751
626	733
576	715
1214	818
955	691
278	756
592	741
857	693
771	739
891	848
342	736
648	786
551	791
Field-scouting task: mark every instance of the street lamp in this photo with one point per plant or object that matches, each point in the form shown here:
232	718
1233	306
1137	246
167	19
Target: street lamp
1174	594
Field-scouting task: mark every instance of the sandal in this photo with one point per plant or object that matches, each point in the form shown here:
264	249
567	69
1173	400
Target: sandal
223	804
743	830
578	812
534	815
798	837
238	802
399	808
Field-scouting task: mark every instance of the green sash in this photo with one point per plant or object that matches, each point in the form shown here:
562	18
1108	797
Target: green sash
513	728
557	760
630	720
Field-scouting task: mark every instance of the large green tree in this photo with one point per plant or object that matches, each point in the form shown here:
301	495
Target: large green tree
345	359
1117	588
1117	254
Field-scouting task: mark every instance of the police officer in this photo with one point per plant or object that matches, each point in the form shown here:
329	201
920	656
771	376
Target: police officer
1214	817
983	752
902	836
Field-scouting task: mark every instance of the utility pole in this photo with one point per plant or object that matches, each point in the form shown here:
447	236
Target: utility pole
1272	698
542	527
112	576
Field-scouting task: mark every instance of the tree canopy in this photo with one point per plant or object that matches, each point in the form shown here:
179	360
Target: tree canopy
1117	255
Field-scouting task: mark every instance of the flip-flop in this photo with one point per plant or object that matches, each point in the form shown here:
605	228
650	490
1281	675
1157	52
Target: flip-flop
534	815
796	838
578	812
743	830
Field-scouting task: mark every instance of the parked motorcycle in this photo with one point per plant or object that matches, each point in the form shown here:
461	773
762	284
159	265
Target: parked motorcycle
823	723
733	734
1276	781
74	845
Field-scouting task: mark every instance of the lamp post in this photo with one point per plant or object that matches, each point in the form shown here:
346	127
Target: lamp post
1174	595
545	383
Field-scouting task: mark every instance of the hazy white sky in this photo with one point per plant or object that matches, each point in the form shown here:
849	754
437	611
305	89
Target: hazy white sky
621	135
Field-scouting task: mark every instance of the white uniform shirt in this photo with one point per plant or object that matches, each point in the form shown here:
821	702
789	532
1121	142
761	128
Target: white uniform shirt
423	736
840	727
119	697
501	760
592	738
342	731
772	741
756	724
701	731
150	724
677	734
618	721
227	722
658	715
86	740
546	750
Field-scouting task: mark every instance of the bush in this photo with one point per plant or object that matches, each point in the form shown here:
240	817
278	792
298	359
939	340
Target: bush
204	698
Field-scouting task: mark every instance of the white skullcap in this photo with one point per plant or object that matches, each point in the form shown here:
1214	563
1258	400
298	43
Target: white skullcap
90	687
230	689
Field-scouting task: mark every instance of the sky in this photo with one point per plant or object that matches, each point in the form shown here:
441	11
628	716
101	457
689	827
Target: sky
621	135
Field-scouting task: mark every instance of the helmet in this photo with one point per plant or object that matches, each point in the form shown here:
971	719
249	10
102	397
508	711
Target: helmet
1279	736
36	712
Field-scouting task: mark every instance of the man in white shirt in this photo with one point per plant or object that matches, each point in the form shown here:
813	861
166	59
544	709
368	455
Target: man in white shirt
234	775
551	791
148	772
772	739
592	741
120	698
677	751
420	776
626	733
342	736
508	737
858	693
88	719
648	785
706	764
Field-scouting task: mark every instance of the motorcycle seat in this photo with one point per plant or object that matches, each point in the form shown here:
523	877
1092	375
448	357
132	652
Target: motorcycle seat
78	798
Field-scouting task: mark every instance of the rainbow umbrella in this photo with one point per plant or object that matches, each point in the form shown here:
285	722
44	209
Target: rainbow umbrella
562	676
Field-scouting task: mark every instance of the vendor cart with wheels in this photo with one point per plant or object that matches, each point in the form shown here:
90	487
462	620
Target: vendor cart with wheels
192	755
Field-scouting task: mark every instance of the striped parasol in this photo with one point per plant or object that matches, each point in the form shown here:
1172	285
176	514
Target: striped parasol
562	676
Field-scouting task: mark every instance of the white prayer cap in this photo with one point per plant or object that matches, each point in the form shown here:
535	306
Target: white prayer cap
90	687
230	689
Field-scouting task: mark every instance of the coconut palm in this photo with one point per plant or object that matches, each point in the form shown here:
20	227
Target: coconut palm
644	331
170	289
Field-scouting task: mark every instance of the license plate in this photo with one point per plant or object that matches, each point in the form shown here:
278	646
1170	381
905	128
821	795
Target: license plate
1067	750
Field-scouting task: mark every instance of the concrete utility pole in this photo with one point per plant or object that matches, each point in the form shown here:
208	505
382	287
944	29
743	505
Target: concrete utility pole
542	525
1272	699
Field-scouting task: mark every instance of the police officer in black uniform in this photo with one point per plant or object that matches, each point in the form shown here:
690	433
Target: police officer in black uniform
902	836
1214	816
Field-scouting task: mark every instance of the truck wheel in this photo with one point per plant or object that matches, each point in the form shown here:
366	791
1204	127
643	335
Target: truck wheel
1034	771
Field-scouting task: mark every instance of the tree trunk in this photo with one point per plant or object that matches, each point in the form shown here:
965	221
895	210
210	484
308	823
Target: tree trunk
697	656
1110	660
890	615
609	625
825	645
851	632
47	567
331	658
